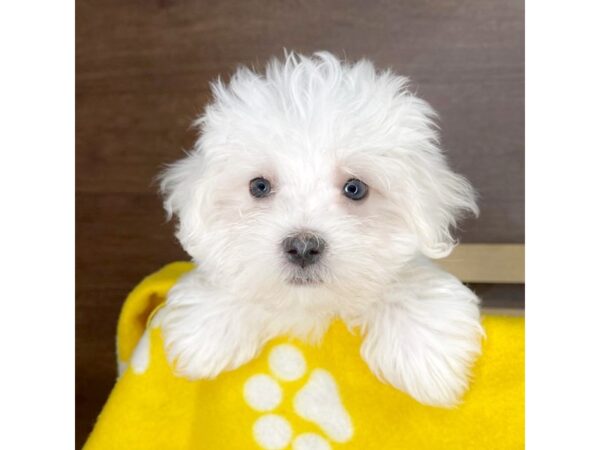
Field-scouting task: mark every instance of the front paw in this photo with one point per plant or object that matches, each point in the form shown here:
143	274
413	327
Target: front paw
434	373
426	347
206	347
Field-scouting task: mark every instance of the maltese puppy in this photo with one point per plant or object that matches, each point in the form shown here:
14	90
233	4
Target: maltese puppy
316	191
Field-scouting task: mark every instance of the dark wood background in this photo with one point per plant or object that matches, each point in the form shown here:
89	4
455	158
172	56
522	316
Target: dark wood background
143	69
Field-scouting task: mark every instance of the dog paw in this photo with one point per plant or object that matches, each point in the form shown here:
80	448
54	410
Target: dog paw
432	381
206	354
434	368
201	343
317	401
207	358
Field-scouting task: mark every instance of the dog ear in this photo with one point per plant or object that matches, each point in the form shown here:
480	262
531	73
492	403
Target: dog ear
186	191
438	199
173	184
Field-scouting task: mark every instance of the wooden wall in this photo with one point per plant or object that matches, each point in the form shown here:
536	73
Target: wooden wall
143	69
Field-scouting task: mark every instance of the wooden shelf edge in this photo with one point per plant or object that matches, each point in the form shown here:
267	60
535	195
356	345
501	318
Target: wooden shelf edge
487	263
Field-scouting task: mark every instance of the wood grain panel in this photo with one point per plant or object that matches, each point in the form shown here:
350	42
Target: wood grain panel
487	263
143	69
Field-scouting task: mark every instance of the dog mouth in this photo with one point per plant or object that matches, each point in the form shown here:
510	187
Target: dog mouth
304	280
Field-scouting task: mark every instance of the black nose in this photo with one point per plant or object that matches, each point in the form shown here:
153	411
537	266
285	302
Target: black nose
303	249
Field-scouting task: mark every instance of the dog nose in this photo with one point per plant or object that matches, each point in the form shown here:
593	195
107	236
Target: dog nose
303	249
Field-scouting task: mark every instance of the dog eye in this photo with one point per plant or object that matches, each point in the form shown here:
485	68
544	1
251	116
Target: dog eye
260	187
355	189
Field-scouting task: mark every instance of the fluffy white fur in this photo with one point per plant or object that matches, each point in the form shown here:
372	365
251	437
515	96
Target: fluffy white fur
308	124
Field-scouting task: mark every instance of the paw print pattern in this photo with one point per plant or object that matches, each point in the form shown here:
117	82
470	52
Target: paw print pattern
317	401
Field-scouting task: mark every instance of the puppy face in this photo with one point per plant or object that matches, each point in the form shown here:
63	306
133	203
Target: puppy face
317	175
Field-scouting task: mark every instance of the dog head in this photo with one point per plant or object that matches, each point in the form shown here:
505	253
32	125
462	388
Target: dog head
315	174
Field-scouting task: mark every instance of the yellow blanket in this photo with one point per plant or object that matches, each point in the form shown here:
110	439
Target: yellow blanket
294	396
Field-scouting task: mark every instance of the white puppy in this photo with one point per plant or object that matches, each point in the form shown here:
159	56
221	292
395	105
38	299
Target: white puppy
316	191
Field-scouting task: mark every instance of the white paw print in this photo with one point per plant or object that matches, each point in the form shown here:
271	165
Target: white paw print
318	401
